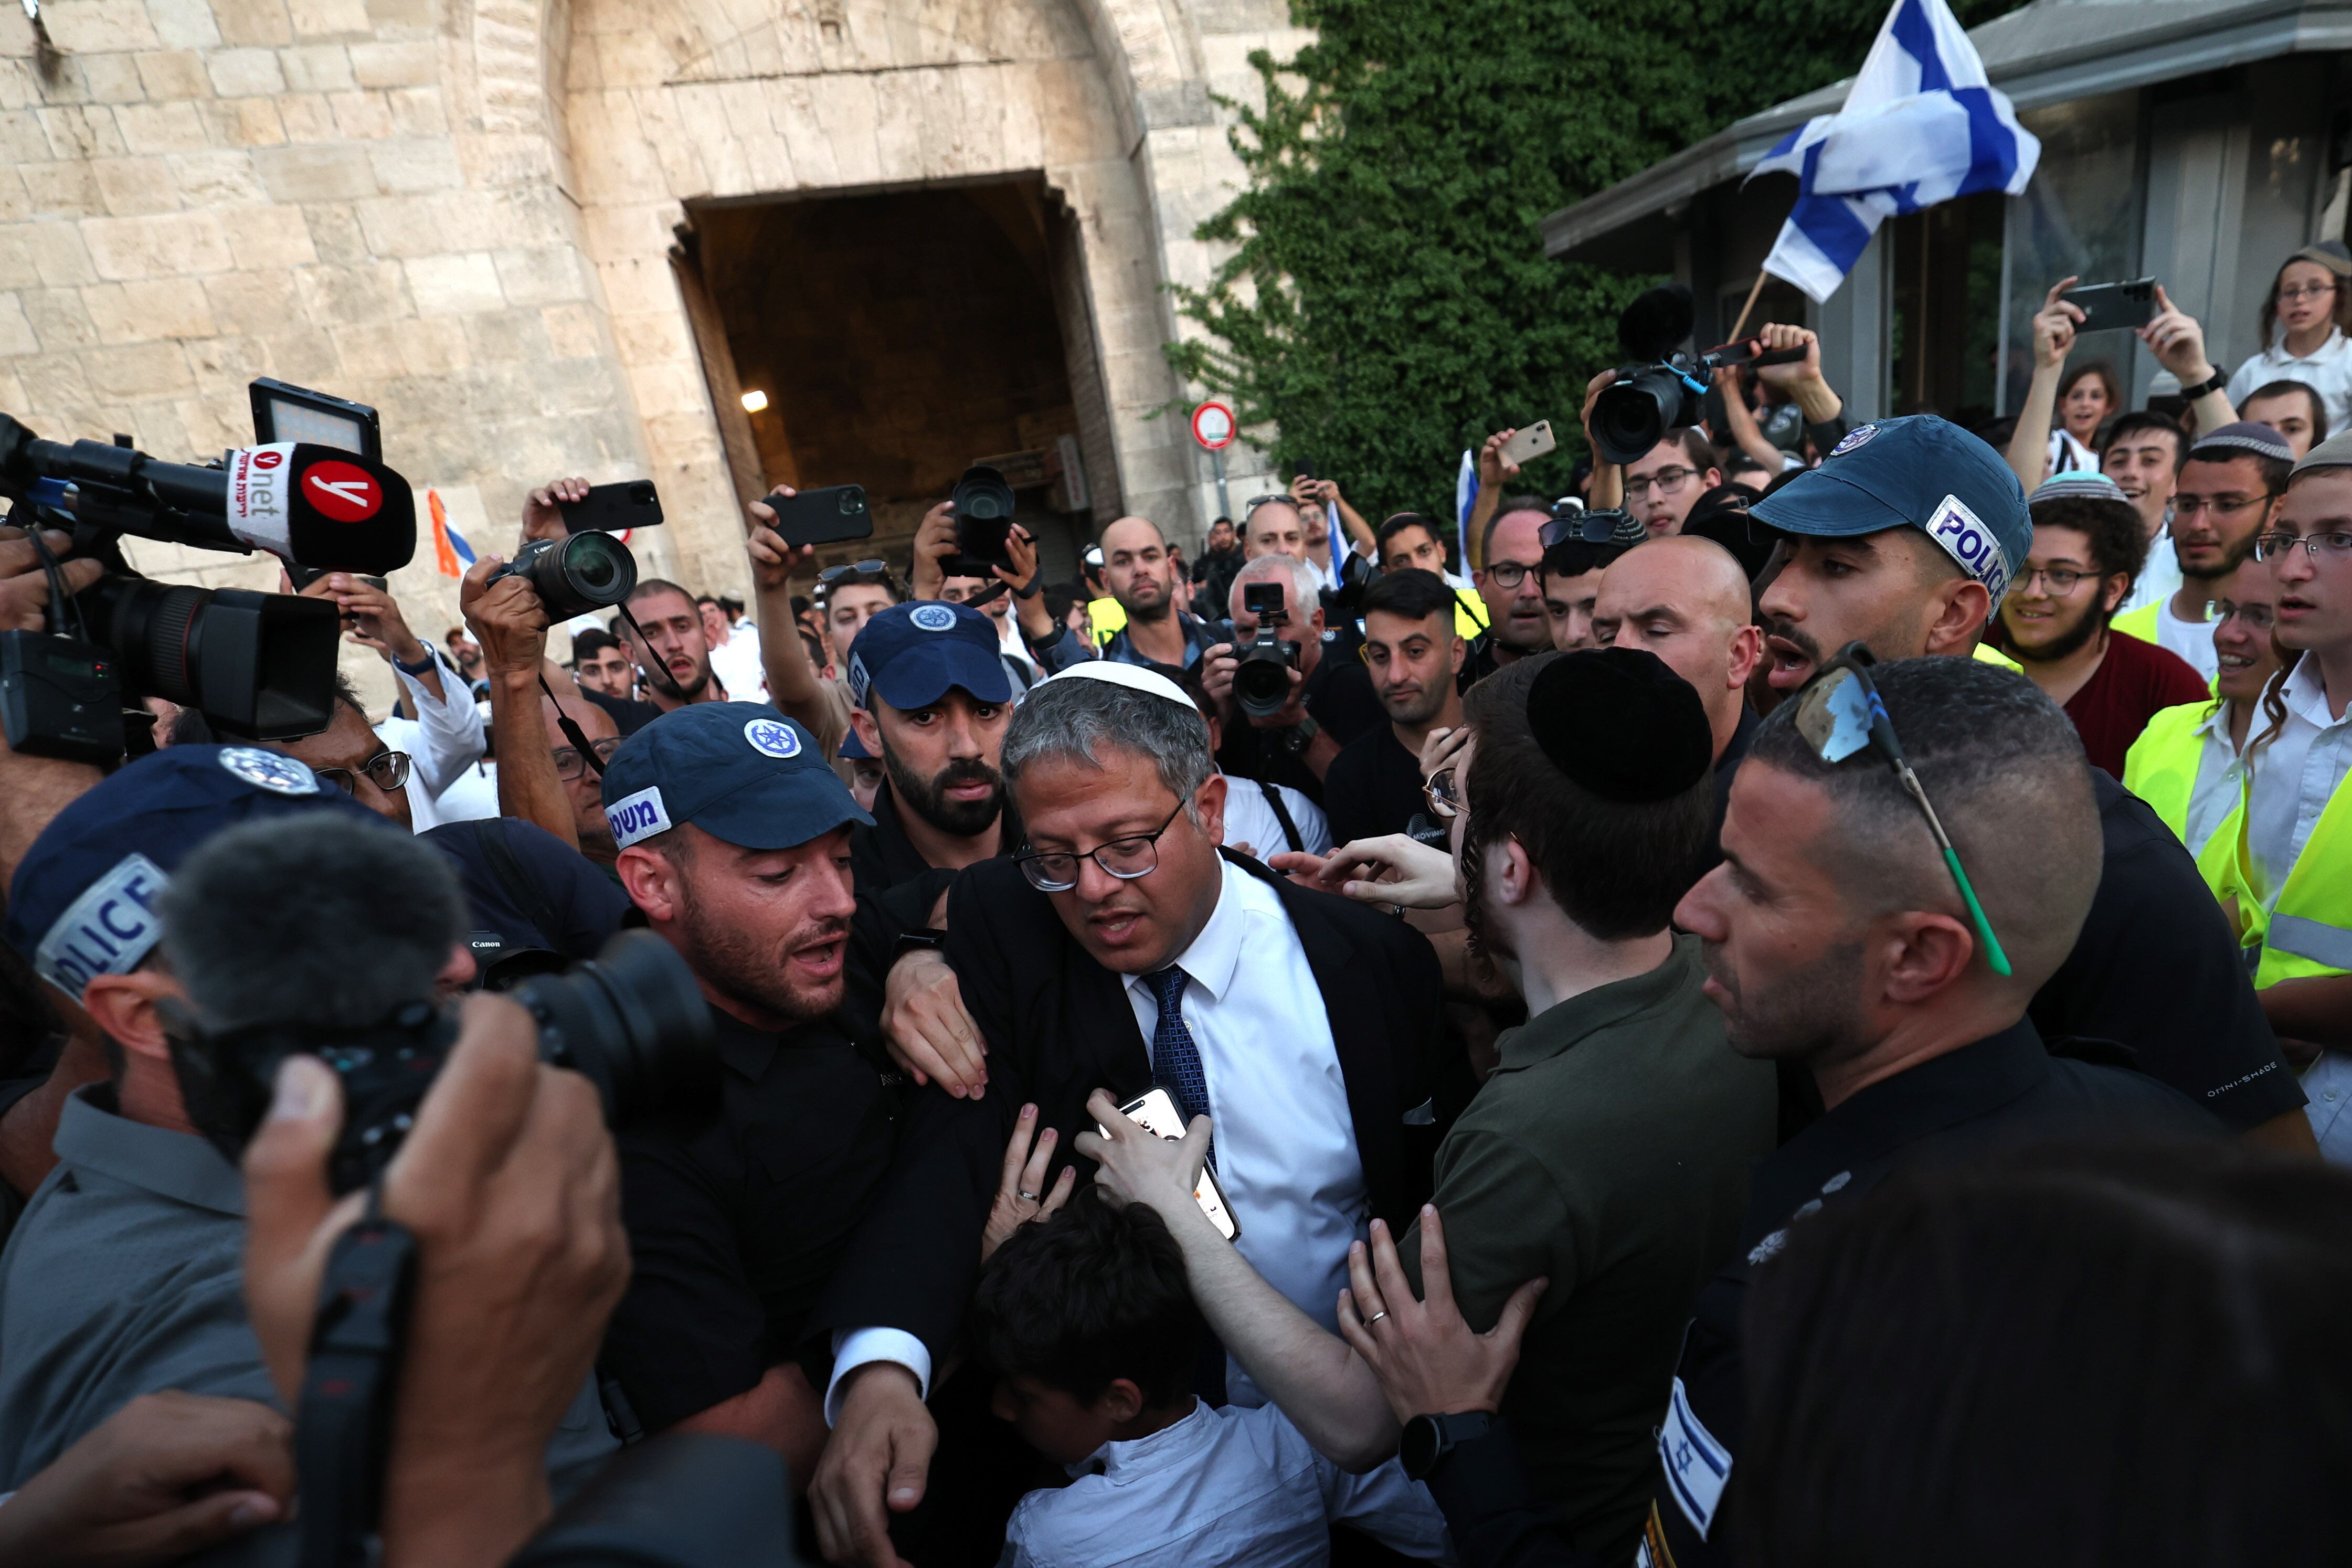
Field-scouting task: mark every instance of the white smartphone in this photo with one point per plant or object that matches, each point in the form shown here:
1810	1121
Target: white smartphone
1155	1112
1532	442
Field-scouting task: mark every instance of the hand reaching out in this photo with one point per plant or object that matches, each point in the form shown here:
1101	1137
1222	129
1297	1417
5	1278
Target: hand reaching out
1021	1193
2054	326
542	510
1428	1361
773	562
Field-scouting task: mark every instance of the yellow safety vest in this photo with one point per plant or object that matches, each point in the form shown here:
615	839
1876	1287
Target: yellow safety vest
2162	768
2139	622
1106	617
1469	614
1988	654
2310	929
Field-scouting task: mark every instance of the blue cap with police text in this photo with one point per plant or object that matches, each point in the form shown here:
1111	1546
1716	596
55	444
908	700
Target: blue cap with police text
83	900
1923	471
740	772
912	654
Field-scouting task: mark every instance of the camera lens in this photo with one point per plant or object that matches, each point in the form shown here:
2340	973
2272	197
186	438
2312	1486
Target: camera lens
576	576
635	1023
1262	683
1634	414
256	665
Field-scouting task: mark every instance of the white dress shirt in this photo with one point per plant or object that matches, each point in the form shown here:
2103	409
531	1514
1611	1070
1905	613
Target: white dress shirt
2294	778
2329	371
2327	1094
1229	1486
1286	1141
443	742
2219	769
1250	820
736	663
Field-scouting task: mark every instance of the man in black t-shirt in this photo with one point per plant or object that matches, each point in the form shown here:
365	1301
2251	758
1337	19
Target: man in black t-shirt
1332	699
1413	655
734	838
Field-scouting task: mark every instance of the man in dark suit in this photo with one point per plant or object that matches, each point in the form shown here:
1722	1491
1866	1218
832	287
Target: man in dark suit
1123	950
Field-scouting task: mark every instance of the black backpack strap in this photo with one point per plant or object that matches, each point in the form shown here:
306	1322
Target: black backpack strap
1282	814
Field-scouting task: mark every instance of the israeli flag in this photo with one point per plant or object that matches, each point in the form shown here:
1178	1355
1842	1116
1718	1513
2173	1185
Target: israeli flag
1466	493
1922	124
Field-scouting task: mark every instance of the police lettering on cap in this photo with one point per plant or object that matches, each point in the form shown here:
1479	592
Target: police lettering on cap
740	772
83	900
913	655
1920	472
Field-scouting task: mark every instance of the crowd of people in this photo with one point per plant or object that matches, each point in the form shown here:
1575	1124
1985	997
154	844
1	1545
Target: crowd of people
1787	1005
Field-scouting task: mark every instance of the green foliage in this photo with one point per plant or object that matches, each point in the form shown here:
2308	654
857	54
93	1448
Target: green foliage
1389	302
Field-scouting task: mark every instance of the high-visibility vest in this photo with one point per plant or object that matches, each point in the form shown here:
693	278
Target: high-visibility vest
1106	616
2162	768
2139	622
1988	654
1469	614
2310	928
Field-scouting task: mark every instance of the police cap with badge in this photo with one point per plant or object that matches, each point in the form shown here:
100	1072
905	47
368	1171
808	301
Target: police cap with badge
740	772
912	654
83	899
1922	471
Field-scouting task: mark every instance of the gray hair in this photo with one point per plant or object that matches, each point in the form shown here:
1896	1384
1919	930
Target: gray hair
1304	585
1074	721
324	921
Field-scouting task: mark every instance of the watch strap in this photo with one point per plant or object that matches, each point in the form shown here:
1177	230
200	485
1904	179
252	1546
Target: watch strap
914	941
2215	383
1436	1436
421	668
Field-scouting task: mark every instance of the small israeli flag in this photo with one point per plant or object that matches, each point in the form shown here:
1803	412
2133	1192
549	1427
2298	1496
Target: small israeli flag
1465	491
1921	125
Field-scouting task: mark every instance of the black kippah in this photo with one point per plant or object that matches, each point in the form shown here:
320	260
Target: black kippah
1621	723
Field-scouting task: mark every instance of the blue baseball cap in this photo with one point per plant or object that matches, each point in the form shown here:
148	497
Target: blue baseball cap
912	654
740	772
83	899
1922	471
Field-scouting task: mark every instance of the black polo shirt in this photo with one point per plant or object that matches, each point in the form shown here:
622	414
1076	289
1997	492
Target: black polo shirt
735	1230
883	856
1339	697
1727	768
2002	1092
2157	969
1373	786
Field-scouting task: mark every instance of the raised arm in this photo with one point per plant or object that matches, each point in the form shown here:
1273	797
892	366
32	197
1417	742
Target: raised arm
2178	340
793	684
2053	339
506	618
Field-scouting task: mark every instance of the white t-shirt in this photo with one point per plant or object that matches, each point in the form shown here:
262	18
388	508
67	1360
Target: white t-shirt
1250	820
2329	371
2192	640
2158	580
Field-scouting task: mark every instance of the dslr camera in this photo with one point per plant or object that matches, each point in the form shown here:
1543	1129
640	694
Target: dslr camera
257	665
1665	388
1262	678
631	1021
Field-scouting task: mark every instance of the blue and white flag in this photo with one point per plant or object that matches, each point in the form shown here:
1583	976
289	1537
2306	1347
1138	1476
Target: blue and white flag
1922	124
1465	494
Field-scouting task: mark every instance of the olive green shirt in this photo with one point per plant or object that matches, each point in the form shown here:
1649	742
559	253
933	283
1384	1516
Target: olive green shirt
1609	1154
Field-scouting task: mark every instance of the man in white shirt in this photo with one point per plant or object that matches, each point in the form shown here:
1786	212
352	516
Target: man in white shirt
444	737
734	653
2143	456
2228	491
1119	951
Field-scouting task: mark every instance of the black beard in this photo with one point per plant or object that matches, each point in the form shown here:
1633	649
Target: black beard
2067	643
927	798
1153	614
731	963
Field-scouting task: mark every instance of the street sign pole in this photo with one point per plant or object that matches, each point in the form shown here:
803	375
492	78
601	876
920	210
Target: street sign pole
1213	426
1224	501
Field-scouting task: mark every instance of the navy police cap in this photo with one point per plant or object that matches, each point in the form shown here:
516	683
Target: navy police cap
83	899
740	772
912	654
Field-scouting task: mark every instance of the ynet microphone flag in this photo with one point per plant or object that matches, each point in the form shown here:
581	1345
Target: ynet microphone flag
1922	124
320	506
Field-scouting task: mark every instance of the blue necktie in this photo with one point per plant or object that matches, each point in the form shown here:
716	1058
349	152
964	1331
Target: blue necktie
1175	1058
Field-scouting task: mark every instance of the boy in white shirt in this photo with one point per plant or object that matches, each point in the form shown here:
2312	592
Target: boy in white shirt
1085	1319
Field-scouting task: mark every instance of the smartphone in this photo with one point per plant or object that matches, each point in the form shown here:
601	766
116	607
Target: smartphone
1155	1112
1532	442
2107	307
1304	471
824	516
614	508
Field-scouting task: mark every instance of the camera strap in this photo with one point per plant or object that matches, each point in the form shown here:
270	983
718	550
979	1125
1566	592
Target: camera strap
656	671
343	1428
572	730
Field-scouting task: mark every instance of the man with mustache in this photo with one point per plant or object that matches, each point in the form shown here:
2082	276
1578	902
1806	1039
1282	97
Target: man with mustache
930	697
1906	539
733	836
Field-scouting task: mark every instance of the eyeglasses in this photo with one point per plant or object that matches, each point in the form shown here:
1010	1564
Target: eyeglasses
388	770
1442	792
2331	547
1599	526
2289	293
2257	619
1509	574
1840	713
1126	858
2060	580
856	572
1669	480
2187	506
569	765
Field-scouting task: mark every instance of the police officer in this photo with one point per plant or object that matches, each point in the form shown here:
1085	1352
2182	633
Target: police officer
733	837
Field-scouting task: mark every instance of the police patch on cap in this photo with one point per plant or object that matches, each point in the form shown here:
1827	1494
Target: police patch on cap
1968	540
638	816
772	737
933	617
110	927
272	771
1854	437
859	682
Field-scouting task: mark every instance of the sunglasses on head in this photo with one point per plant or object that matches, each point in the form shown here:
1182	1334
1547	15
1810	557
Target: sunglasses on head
1839	714
1605	525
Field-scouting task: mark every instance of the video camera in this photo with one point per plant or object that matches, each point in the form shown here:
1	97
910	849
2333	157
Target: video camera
631	1021
261	666
1665	390
1262	678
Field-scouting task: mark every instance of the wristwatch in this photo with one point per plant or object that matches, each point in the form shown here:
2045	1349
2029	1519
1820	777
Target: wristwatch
421	668
1429	1438
911	941
2220	379
1301	735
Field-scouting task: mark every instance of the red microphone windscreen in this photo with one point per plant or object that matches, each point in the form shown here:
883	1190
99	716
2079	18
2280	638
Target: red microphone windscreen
321	507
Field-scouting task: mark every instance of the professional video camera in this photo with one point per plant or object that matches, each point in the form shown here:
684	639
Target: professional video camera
1664	389
632	1022
256	665
1262	678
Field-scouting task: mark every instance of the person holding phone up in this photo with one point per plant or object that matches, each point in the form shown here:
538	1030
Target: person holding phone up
2036	451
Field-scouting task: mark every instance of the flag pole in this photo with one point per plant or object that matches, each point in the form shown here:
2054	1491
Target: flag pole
1744	310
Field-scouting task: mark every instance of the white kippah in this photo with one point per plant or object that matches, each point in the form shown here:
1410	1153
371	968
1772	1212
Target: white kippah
1134	676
